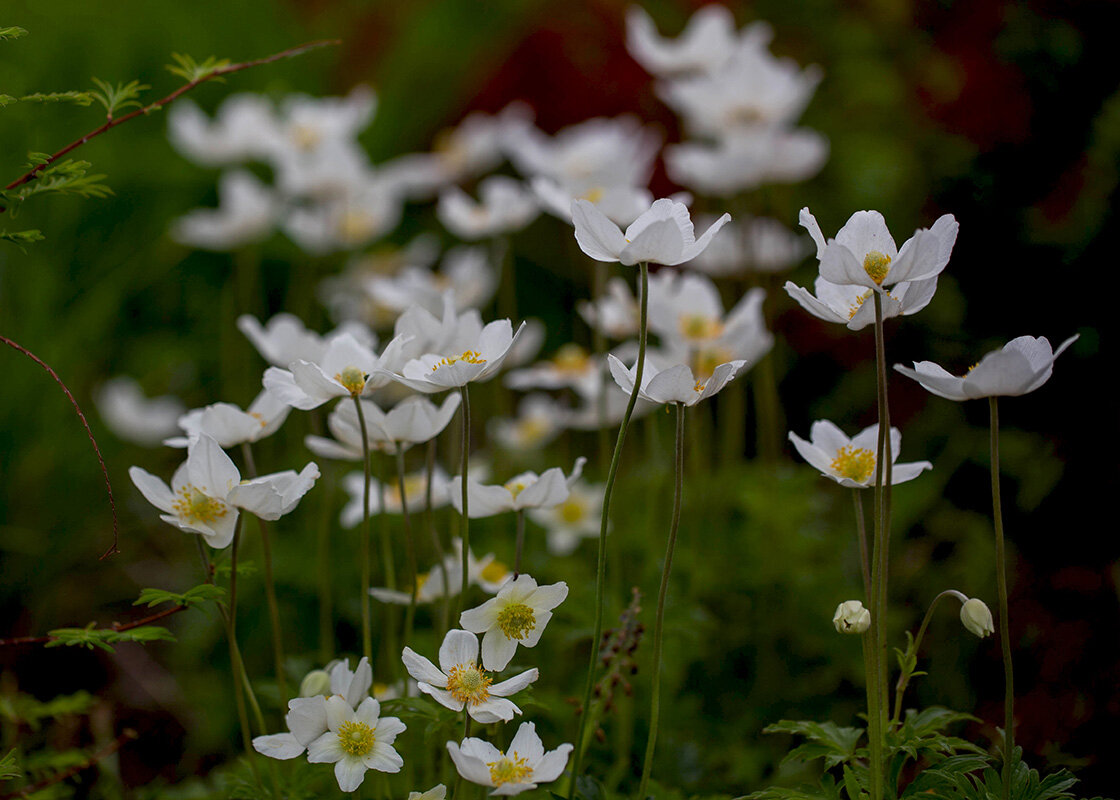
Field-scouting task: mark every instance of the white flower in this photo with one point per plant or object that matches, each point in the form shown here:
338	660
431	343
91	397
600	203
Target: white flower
346	369
662	235
231	426
459	682
356	740
437	372
465	272
413	420
517	615
285	339
521	767
311	124
437	792
675	384
238	132
132	416
1021	366
851	462
847	303
537	423
346	220
977	617
527	490
505	206
571	367
760	244
746	159
706	42
575	519
206	491
615	314
686	311
415	487
864	253
851	617
351	685
487	573
246	213
621	204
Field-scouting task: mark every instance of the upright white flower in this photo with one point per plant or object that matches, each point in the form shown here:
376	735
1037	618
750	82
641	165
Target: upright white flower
517	615
246	213
437	372
413	420
505	206
356	740
851	462
707	41
675	384
459	682
231	426
662	235
521	767
346	369
1020	366
346	220
133	416
575	519
524	491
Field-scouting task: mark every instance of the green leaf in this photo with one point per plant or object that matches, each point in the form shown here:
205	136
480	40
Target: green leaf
104	638
199	594
21	238
72	96
9	767
191	71
119	97
63	177
827	740
243	568
12	32
6	100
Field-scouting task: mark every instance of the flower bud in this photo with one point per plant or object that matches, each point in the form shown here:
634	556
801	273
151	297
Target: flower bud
315	683
851	617
976	617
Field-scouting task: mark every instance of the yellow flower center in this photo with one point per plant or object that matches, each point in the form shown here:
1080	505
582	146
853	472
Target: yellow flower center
875	265
353	380
854	463
194	506
594	195
531	430
355	227
571	358
468	684
356	738
699	387
259	418
414	486
516	487
305	137
494	572
468	356
572	510
509	769
699	326
516	620
707	359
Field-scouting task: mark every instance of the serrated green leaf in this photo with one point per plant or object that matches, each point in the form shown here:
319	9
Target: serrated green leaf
199	594
71	96
827	740
9	766
190	70
121	96
21	237
12	32
63	177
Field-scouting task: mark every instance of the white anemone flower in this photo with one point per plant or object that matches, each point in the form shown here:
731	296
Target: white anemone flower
537	423
621	204
346	220
480	361
238	132
231	426
206	491
135	417
246	213
1019	367
284	338
847	304
707	41
746	159
356	740
524	491
414	420
517	615
615	314
415	488
570	368
575	519
662	235
505	205
851	462
759	244
864	253
487	573
346	369
521	767
674	384
459	683
685	307
465	272
437	792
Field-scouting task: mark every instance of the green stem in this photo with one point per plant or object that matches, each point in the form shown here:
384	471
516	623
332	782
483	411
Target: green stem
464	525
323	556
1004	619
520	542
599	347
659	623
861	533
904	677
600	578
410	548
367	625
445	612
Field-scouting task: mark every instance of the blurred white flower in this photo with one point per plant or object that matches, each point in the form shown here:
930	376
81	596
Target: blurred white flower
517	615
413	420
505	205
345	221
621	204
686	311
487	573
231	426
615	314
313	124
745	159
705	44
570	367
661	235
238	132
537	423
851	462
465	273
415	487
132	416
524	491
575	519
758	244
246	213
521	767
437	792
285	339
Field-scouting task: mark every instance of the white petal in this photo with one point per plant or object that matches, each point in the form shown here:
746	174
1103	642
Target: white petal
597	236
459	647
325	750
350	772
154	490
514	684
497	650
422	669
281	746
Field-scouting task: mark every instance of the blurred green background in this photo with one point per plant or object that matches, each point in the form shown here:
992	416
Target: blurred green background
1005	114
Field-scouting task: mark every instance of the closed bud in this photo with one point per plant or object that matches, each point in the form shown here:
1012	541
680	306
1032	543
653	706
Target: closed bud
851	617
976	617
315	683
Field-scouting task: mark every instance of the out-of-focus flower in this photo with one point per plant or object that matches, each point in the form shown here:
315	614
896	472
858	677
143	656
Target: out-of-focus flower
346	369
309	124
524	491
1019	367
231	426
705	44
977	617
662	235
239	131
575	519
415	488
346	221
851	462
437	372
459	683
357	740
505	206
316	682
285	339
246	213
675	384
851	617
614	314
746	159
537	423
465	273
437	792
414	420
685	310
758	244
132	416
522	767
571	367
621	204
517	615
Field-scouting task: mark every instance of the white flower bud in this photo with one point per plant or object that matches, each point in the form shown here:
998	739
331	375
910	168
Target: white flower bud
976	617
316	682
851	617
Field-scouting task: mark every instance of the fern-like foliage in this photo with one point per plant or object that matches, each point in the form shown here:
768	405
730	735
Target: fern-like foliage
70	177
119	97
104	638
191	71
12	32
199	594
72	96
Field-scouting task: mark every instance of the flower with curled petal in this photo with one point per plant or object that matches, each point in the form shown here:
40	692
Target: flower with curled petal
479	361
527	490
1020	366
706	42
229	425
675	384
459	682
346	369
522	766
851	462
662	235
517	615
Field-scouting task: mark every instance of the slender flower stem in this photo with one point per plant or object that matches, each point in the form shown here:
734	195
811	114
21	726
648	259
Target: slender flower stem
601	572
861	533
520	542
410	549
599	348
445	613
464	526
659	623
1004	619
367	627
904	678
466	733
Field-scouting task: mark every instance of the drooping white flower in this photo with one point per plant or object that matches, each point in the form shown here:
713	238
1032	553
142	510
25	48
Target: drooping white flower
284	338
575	519
356	740
459	683
415	487
707	41
662	235
977	617
674	384
346	369
247	212
505	205
746	159
851	617
231	426
851	462
524	491
1020	366
537	423
517	615
437	372
206	492
133	416
523	766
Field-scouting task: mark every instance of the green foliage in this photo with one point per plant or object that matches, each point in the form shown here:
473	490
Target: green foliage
191	71
119	97
826	740
971	777
21	237
23	709
69	177
826	790
6	100
199	594
12	32
104	638
244	569
9	766
71	96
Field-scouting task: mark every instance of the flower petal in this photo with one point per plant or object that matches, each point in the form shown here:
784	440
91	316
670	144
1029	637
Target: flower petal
459	647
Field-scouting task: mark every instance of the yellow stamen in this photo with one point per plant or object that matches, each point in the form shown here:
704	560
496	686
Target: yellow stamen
353	380
571	358
516	620
494	572
468	356
699	326
356	738
854	463
193	505
707	359
468	684
516	487
875	265
355	227
699	387
305	137
509	769
594	195
572	510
